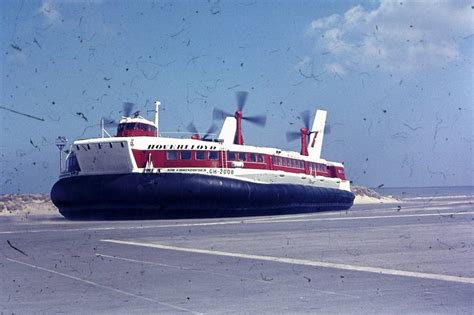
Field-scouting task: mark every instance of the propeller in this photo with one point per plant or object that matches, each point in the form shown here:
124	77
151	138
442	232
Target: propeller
220	114
327	129
127	108
192	128
293	135
241	97
257	120
109	122
305	117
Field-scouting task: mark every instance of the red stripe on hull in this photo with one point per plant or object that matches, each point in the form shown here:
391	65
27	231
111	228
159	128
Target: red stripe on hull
160	159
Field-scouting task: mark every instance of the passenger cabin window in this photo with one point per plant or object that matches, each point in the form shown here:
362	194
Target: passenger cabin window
259	158
253	157
242	156
213	155
201	155
231	156
185	155
171	155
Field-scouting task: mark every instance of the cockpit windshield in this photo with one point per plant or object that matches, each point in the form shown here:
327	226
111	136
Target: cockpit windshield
135	129
136	126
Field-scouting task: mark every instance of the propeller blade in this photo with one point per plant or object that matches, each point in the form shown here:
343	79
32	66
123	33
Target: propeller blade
305	118
127	108
257	120
292	135
327	129
220	114
136	114
241	99
210	131
192	128
109	122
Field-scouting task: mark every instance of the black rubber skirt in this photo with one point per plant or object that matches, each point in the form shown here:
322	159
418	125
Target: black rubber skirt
177	195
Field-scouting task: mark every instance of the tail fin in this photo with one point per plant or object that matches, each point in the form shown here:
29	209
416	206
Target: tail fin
317	134
228	130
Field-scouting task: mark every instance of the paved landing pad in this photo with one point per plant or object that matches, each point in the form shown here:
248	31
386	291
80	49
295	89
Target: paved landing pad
413	257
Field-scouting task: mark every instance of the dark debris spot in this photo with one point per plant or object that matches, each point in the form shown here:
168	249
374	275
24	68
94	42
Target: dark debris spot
17	249
82	116
241	64
34	145
16	47
35	41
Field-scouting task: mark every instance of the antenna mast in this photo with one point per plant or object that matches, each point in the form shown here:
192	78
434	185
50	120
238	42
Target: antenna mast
157	117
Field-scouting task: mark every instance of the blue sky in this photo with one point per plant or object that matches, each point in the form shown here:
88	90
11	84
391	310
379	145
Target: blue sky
395	76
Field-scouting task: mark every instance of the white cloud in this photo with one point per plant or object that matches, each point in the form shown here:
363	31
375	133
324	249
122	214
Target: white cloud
336	68
48	10
397	35
324	22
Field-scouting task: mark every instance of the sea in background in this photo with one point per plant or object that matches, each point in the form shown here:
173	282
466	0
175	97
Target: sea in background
413	193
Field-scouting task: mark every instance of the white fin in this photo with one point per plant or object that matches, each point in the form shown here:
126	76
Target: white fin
228	130
316	138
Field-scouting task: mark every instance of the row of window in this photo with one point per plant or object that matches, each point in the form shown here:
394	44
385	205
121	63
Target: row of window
317	167
241	156
281	161
244	156
187	154
99	145
287	162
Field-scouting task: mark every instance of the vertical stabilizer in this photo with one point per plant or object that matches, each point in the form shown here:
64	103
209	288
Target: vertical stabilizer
317	134
227	133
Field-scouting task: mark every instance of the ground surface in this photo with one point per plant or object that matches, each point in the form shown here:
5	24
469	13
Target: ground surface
414	257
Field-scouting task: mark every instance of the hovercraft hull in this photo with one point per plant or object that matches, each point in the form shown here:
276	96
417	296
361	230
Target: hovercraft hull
177	195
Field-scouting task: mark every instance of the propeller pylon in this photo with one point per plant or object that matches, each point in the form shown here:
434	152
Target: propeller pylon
303	134
259	120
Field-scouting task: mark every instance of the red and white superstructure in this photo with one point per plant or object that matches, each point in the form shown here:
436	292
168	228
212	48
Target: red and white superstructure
114	174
